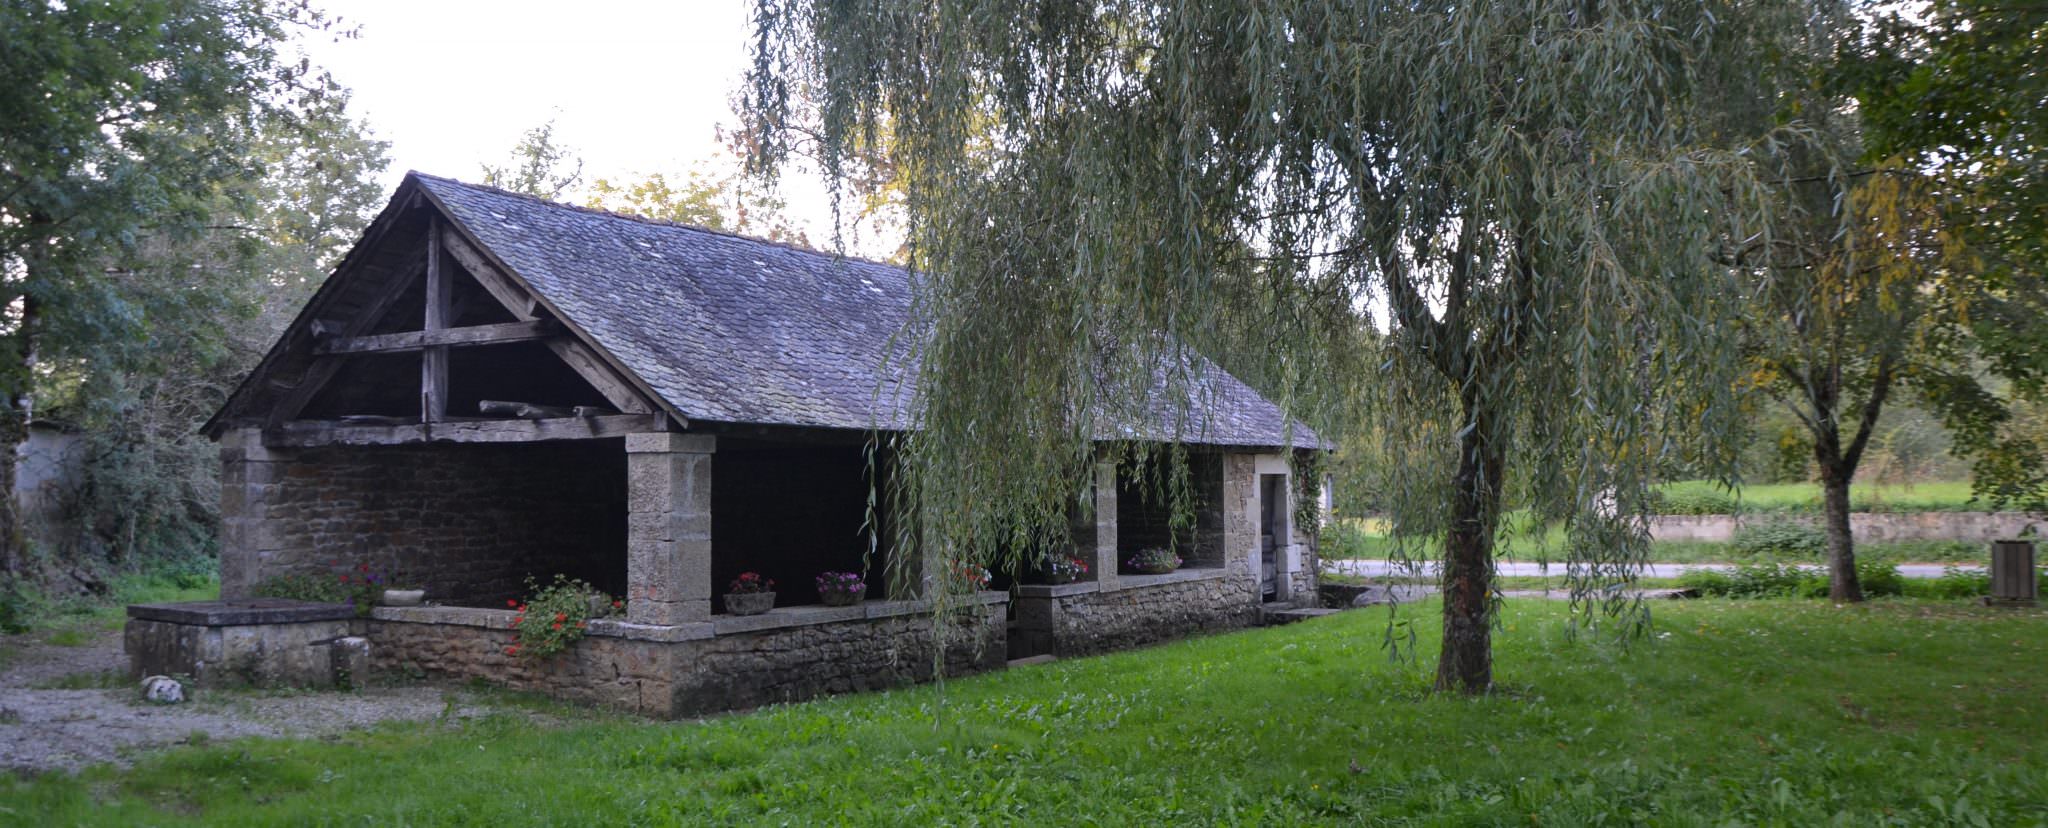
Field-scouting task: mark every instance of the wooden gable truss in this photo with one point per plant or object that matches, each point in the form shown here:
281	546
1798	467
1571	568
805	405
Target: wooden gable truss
396	297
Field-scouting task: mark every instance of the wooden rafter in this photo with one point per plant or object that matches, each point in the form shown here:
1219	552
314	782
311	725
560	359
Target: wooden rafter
494	334
322	370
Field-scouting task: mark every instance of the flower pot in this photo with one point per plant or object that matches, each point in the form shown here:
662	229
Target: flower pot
840	599
749	603
1058	578
402	597
1153	570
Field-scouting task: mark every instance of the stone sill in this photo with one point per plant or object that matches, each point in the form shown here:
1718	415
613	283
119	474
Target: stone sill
242	612
779	618
501	619
1178	576
1056	590
814	614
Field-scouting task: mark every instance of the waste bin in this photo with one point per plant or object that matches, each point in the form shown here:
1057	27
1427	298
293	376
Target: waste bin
2012	574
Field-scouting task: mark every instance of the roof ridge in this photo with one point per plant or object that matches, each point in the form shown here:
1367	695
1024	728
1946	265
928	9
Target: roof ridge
599	211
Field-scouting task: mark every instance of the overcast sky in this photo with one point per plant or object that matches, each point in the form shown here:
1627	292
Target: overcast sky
633	87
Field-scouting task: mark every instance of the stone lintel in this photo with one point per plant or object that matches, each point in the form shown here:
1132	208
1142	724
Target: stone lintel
667	442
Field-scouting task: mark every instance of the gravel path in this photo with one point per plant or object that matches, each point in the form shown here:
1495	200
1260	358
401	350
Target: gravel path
43	729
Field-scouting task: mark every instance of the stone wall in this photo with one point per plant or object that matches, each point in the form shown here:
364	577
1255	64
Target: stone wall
467	522
1880	527
1078	619
680	671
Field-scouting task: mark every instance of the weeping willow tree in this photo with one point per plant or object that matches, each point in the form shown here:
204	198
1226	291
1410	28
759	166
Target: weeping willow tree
1525	199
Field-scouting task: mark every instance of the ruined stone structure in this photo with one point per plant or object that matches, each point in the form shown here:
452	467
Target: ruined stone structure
493	388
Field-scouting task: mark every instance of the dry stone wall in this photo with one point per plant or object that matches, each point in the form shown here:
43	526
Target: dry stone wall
1139	614
700	674
466	522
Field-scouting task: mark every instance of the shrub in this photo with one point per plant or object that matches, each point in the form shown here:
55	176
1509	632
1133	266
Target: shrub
360	586
1780	538
1955	582
1157	559
1767	580
555	616
1880	578
1709	582
303	587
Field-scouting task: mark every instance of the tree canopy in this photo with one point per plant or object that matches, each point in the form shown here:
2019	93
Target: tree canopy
1534	195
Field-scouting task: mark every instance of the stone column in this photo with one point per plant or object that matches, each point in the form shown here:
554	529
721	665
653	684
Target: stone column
1102	558
668	527
251	476
1240	509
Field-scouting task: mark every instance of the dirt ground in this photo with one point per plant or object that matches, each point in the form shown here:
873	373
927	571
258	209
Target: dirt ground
44	727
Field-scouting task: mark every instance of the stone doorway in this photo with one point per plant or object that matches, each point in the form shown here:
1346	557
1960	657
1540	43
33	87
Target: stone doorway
1272	535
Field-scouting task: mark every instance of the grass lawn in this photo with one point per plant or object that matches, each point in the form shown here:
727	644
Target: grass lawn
79	621
1787	713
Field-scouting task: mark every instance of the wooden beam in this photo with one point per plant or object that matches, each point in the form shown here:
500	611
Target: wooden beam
515	299
524	410
315	433
434	359
495	334
616	389
317	374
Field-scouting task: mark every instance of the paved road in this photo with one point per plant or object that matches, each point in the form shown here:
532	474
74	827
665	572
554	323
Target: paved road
1523	568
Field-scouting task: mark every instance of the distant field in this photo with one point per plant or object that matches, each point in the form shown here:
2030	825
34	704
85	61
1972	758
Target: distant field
1367	540
1704	497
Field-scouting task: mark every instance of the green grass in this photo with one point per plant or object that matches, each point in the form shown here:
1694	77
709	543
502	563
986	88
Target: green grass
1761	712
76	622
1365	540
1707	497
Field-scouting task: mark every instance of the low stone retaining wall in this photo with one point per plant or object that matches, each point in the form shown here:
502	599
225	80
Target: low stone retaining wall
265	642
1081	619
1880	527
732	662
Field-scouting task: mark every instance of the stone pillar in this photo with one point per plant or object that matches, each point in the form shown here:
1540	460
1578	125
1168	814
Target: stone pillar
1102	558
251	476
1240	513
668	527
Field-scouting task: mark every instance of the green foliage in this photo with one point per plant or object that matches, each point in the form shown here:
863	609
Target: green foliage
1707	497
299	586
357	586
540	167
1780	538
1534	195
1954	583
1755	580
1880	578
555	615
702	196
1737	713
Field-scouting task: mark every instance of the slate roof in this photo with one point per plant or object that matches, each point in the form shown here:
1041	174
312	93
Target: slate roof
741	330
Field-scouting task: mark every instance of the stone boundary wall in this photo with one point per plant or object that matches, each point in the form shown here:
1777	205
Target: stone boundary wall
1973	527
671	671
1077	619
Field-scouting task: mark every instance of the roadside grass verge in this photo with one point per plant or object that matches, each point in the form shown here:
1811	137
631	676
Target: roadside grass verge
1757	712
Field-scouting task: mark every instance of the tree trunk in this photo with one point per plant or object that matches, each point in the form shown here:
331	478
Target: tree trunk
1843	585
1466	661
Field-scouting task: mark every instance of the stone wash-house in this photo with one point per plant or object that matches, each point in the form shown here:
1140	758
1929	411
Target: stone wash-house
671	406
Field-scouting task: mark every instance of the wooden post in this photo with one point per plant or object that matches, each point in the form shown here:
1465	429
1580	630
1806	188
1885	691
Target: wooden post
2013	581
434	359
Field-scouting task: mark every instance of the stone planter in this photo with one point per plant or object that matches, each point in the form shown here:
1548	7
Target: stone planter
402	597
840	599
1058	578
749	603
1153	570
